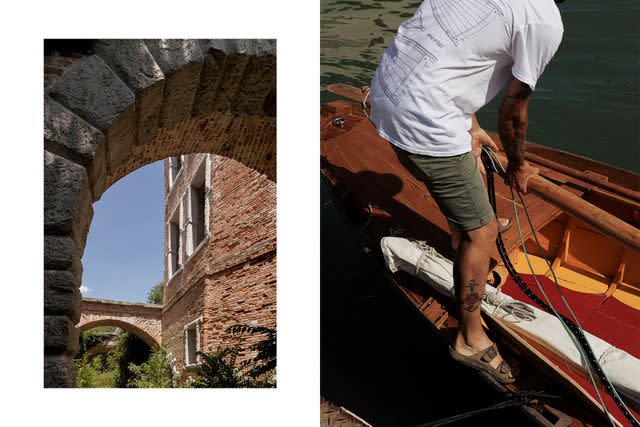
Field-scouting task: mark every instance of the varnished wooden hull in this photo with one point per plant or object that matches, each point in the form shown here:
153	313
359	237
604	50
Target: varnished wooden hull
378	195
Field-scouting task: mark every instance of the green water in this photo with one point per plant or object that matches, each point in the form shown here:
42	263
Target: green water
378	357
586	102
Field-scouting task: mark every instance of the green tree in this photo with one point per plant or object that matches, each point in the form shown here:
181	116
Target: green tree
154	373
218	369
156	294
261	369
99	372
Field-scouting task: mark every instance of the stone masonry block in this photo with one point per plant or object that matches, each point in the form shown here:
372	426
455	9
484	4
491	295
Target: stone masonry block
93	91
132	61
259	80
60	336
62	294
69	136
59	252
77	139
59	371
66	196
173	55
209	79
181	61
230	81
135	65
241	46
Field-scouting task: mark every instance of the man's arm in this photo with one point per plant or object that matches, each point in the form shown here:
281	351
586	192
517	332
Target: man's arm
512	127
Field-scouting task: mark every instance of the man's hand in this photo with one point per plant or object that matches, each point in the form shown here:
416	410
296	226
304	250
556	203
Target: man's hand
479	139
518	175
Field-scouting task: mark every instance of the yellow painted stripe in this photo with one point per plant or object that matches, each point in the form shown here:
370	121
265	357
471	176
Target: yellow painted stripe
576	281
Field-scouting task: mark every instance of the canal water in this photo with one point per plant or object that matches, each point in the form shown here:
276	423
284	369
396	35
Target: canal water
378	357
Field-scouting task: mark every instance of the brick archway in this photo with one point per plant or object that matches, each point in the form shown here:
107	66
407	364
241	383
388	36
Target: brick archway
143	320
113	106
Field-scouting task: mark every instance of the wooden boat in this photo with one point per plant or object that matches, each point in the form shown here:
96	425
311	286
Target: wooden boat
586	215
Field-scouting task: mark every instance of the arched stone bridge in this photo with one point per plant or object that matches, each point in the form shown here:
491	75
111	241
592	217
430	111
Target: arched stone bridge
143	320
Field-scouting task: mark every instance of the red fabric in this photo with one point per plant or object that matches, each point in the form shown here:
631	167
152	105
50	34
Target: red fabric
618	324
582	304
606	318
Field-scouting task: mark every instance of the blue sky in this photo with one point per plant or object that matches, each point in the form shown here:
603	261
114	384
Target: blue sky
124	254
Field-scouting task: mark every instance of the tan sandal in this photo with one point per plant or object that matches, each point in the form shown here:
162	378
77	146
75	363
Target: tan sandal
481	361
503	227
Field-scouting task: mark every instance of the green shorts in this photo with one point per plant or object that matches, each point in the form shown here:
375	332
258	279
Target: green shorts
455	183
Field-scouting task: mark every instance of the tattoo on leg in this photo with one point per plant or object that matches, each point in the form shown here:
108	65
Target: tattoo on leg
471	302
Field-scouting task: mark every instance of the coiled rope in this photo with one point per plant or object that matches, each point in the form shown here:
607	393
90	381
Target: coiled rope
574	329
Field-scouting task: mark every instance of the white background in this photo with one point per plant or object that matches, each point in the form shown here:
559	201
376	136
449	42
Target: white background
296	26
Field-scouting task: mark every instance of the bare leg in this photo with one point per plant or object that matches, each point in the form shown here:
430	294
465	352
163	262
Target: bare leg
455	233
470	270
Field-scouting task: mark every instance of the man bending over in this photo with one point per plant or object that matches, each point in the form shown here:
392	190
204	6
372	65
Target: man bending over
446	62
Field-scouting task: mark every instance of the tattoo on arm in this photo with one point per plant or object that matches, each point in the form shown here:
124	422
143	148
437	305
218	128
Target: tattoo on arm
472	300
521	94
512	121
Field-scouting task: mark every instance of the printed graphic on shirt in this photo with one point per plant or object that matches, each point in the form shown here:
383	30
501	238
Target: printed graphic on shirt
402	60
460	19
415	21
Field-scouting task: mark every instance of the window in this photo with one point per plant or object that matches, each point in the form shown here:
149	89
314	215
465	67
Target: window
197	226
175	166
173	254
192	342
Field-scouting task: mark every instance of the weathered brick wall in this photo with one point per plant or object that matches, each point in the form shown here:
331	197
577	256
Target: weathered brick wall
244	295
235	272
243	210
241	287
176	315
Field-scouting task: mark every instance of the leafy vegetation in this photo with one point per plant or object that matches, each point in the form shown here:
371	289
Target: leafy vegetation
108	369
99	372
156	294
127	365
154	373
220	370
263	365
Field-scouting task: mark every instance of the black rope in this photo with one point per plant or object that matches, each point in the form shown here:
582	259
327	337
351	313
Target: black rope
513	400
575	330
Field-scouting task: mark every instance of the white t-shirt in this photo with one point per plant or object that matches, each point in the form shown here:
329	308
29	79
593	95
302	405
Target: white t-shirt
451	58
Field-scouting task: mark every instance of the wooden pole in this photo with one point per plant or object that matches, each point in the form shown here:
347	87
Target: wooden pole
604	222
614	188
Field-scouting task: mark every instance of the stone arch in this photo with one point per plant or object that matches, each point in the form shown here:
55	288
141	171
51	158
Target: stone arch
113	106
150	340
143	320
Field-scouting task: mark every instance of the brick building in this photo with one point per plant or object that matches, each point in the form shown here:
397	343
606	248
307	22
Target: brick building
220	254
